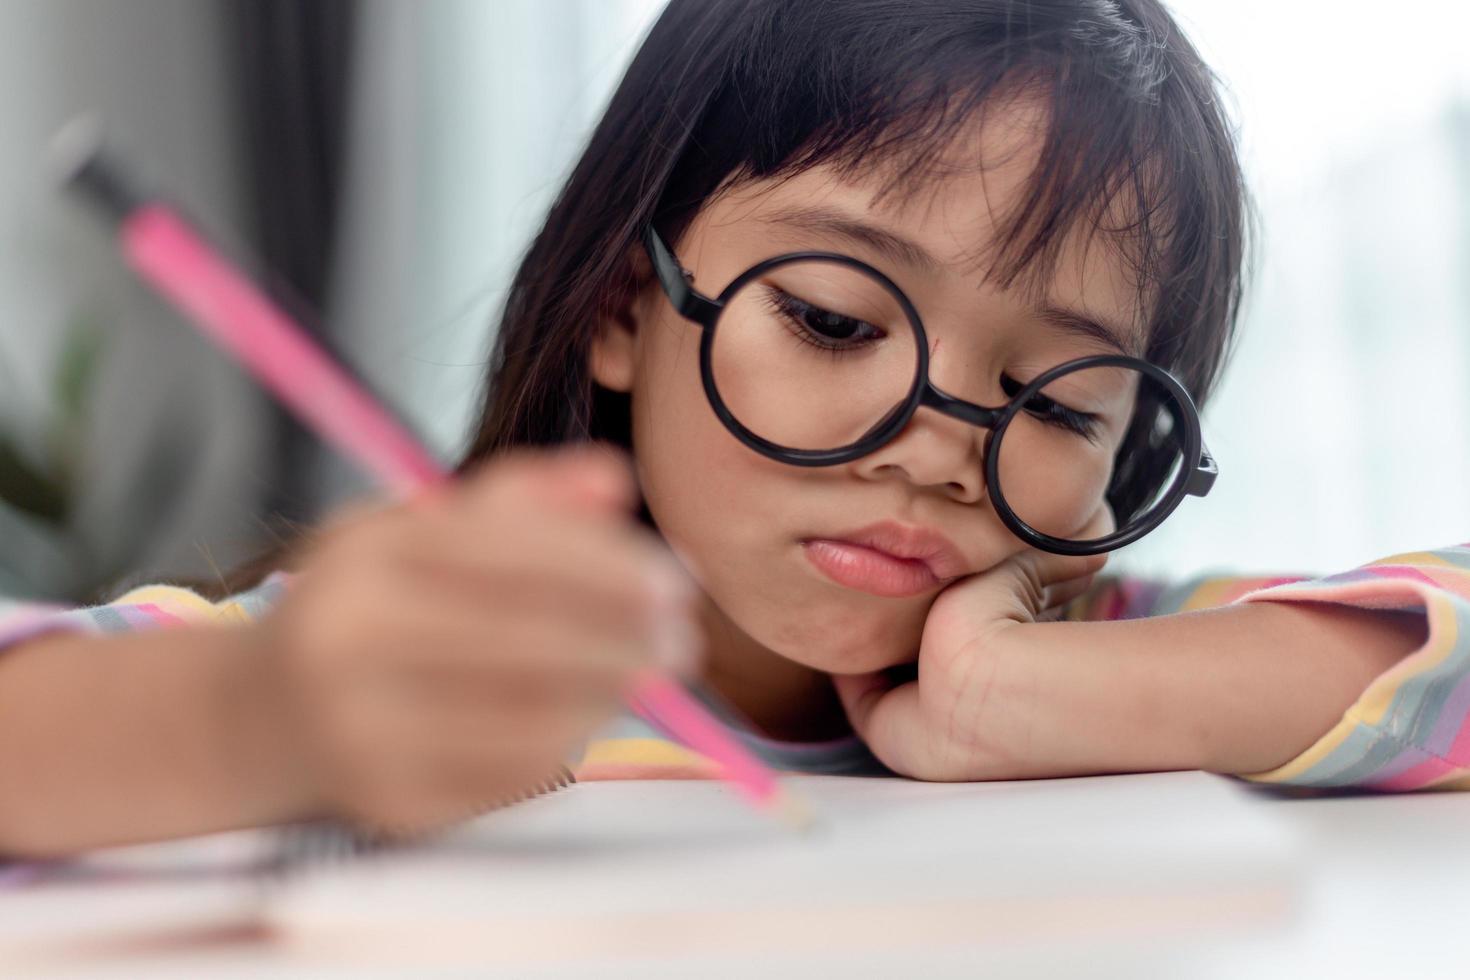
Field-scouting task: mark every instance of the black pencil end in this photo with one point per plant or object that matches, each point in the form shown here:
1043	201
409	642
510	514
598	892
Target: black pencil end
81	164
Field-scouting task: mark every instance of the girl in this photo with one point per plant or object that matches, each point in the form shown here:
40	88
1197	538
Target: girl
902	309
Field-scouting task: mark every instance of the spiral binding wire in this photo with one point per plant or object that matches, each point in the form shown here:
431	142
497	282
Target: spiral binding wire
319	842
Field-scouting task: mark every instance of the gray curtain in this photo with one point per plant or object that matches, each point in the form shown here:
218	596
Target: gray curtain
130	450
291	69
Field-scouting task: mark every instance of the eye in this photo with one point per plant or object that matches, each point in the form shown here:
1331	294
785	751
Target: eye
1053	413
821	327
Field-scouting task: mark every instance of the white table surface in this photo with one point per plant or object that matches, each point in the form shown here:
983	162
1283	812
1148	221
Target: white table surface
1191	875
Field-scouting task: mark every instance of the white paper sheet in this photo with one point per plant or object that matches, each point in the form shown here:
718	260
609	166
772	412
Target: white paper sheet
634	870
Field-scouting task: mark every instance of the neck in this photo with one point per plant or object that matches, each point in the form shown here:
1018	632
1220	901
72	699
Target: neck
781	698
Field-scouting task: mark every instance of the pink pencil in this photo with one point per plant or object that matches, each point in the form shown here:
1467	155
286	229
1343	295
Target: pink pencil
179	264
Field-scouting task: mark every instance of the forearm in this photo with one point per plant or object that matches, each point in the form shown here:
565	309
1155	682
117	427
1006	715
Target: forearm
142	736
1237	689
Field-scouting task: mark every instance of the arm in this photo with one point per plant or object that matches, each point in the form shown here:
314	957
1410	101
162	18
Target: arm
1344	680
1242	688
407	676
113	739
1400	728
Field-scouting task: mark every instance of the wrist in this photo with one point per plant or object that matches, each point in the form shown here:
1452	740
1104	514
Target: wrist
171	721
261	740
1294	670
1119	694
1238	689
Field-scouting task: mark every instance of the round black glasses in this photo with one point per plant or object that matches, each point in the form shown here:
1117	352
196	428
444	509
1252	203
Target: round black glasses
817	358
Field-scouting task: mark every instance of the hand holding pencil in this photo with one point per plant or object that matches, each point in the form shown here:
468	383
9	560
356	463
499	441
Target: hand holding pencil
435	656
172	258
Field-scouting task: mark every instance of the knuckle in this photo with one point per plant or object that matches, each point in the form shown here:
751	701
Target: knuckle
1031	580
628	590
324	641
510	474
369	545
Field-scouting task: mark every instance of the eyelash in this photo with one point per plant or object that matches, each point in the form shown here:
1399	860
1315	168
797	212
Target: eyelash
791	310
1084	424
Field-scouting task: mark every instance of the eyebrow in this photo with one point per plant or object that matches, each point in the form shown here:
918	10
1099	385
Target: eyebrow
839	224
1079	325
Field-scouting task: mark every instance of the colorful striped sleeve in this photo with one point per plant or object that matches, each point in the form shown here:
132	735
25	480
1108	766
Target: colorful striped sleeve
1408	730
144	607
628	748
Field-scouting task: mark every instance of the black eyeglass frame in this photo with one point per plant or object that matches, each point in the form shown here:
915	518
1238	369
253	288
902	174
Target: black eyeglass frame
1193	479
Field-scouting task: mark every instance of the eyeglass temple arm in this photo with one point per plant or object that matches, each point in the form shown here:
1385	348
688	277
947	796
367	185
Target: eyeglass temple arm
1204	474
676	281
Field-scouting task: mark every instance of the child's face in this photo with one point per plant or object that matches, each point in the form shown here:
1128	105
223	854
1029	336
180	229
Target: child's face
746	523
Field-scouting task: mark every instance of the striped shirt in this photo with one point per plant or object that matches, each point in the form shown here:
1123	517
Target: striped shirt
1407	730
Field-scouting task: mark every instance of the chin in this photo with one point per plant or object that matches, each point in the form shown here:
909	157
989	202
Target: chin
847	644
845	663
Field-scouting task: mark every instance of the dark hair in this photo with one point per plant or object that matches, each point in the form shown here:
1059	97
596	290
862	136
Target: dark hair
1137	145
724	90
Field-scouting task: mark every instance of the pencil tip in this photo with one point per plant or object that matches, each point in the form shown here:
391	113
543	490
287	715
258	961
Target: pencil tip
794	812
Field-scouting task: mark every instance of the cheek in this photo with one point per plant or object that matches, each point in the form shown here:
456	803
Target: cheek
697	480
736	518
1053	483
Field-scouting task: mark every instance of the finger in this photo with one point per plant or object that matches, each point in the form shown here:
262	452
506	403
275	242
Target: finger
521	690
1038	572
596	479
493	642
352	514
414	729
566	511
1062	597
609	599
1051	568
859	694
462	591
887	718
479	746
1064	568
1059	594
543	517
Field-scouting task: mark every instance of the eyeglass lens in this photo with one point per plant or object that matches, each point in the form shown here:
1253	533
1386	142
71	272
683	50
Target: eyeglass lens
813	355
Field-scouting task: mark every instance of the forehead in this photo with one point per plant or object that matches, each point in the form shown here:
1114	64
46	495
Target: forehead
956	212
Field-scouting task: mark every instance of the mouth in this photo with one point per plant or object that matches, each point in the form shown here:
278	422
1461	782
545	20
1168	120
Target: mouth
887	559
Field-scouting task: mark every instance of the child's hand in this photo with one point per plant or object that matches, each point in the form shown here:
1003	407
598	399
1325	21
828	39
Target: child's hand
958	720
434	657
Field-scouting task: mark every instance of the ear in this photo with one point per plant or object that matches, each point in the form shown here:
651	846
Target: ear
614	351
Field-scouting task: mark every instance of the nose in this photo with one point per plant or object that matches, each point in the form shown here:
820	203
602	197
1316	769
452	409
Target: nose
935	452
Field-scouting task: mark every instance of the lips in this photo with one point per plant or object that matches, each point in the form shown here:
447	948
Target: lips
887	559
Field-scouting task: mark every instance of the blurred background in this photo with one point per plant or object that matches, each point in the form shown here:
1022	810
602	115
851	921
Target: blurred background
389	161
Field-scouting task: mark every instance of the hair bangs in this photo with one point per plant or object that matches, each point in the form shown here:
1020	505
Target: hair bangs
1134	154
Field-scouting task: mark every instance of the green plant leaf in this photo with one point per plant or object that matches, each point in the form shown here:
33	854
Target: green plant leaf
76	367
29	491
